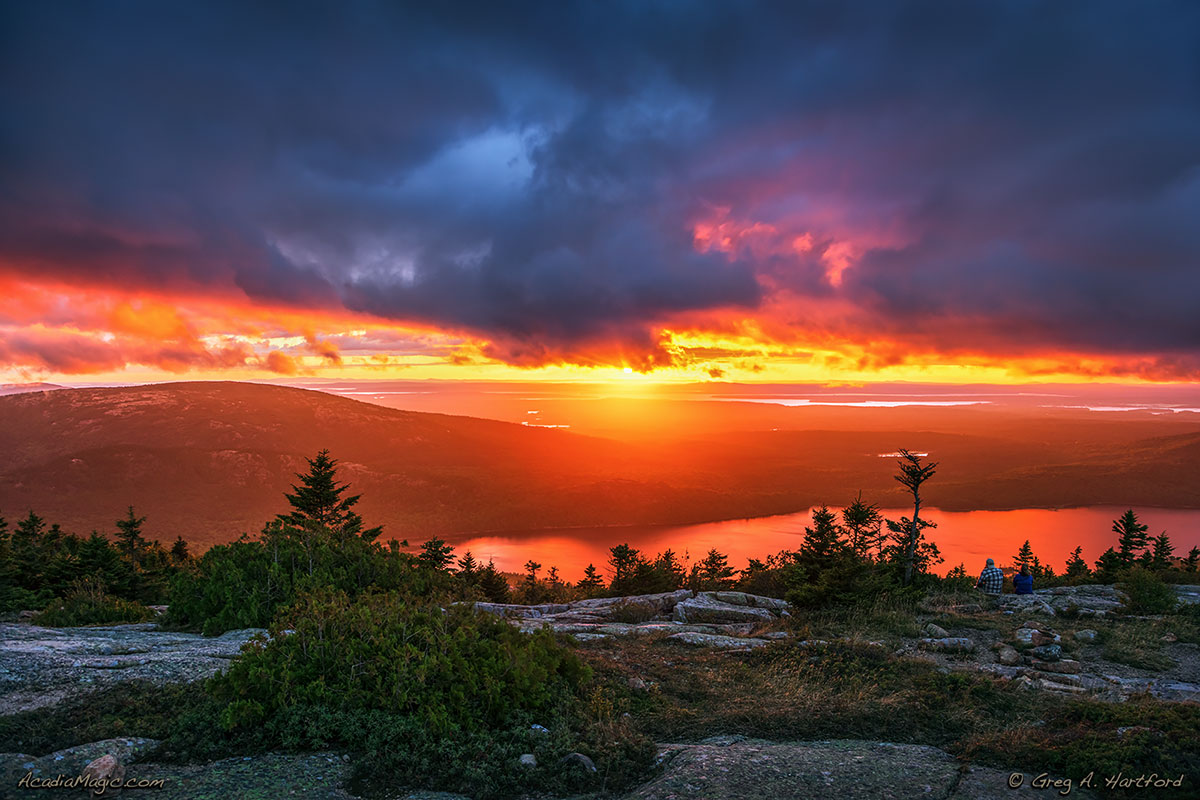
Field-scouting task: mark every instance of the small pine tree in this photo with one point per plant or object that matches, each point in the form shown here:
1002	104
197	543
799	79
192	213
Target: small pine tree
467	565
1193	559
713	573
30	529
864	526
1024	557
436	555
129	535
1131	536
318	499
1076	566
1163	551
493	585
669	574
823	541
624	561
1108	565
591	582
179	550
1039	570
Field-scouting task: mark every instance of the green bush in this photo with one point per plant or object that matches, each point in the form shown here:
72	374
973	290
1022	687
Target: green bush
1147	593
443	699
88	604
241	585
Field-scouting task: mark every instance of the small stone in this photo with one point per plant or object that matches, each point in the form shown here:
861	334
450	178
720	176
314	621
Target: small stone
538	728
1170	637
578	759
1047	652
1024	635
528	760
1086	635
1045	637
637	684
1064	667
936	631
106	768
1008	656
1031	624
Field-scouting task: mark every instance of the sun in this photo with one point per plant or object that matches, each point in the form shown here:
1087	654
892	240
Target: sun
628	370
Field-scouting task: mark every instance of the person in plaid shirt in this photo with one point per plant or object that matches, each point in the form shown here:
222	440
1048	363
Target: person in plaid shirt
991	580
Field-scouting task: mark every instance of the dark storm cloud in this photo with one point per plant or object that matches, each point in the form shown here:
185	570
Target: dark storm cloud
532	172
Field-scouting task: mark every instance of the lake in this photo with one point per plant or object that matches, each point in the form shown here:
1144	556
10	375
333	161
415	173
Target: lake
969	537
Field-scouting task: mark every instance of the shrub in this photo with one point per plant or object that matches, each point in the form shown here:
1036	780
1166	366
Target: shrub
426	697
88	604
241	585
1147	593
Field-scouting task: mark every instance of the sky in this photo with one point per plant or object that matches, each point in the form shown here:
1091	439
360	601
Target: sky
985	192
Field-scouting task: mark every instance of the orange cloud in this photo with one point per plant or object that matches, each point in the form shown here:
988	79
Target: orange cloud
281	363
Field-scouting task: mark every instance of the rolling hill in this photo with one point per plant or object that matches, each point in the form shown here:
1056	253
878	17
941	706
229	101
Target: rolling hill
210	461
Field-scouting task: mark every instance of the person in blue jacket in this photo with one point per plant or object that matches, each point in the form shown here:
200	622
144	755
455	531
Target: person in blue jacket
1023	581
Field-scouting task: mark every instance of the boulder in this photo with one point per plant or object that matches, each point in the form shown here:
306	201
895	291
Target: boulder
528	760
1064	666
750	600
714	640
1007	656
936	631
1056	686
1047	652
663	603
1045	637
1086	635
706	609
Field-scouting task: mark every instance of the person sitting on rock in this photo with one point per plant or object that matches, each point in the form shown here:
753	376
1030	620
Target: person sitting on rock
1023	581
991	580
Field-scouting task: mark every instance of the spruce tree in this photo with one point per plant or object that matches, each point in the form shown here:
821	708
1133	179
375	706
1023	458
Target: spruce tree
823	541
467	565
493	585
624	561
1108	565
179	550
1131	536
318	499
864	526
912	475
1163	550
436	554
1193	559
591	582
1024	557
129	535
1076	566
29	530
713	573
669	574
